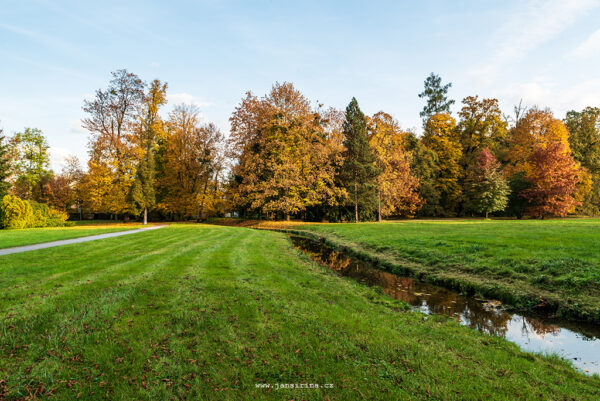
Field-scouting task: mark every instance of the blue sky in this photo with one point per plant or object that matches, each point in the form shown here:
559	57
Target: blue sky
54	54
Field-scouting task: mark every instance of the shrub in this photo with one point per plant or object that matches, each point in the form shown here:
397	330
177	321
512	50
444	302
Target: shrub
57	218
18	213
15	213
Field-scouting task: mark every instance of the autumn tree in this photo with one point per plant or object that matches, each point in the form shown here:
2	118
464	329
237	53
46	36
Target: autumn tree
150	128
536	128
480	126
190	163
436	97
359	171
553	175
63	190
397	187
486	188
112	119
5	165
440	136
584	138
282	159
75	177
31	163
58	192
424	165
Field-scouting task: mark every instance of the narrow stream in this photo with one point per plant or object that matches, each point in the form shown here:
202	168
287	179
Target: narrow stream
576	341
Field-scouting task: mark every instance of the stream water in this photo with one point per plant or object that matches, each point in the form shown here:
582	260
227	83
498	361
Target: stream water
576	341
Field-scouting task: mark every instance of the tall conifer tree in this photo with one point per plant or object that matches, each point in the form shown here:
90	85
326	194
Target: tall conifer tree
359	171
436	95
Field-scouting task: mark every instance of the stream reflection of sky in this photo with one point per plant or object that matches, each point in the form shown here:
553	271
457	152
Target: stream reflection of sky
530	333
564	342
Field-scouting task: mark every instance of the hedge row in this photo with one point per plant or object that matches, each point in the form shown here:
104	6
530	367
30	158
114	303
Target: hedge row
18	213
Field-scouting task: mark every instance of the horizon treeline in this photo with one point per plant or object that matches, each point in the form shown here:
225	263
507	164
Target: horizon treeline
286	158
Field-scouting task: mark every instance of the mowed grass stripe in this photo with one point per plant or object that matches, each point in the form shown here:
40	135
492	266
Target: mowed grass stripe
71	273
101	272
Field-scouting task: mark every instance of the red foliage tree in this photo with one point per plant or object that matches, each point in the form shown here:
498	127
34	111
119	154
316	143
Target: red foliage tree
553	177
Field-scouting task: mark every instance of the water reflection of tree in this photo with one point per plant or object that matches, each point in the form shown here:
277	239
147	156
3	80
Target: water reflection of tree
532	325
337	261
441	301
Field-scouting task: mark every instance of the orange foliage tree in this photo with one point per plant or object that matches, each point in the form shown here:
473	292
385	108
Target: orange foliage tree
397	186
537	128
283	161
553	175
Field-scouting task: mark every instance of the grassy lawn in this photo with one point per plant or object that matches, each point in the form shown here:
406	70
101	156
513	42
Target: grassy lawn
517	261
10	238
208	312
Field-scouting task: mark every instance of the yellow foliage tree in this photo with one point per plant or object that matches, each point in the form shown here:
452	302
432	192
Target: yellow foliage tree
114	149
397	187
441	137
191	164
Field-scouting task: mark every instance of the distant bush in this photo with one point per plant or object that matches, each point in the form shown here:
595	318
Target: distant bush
18	213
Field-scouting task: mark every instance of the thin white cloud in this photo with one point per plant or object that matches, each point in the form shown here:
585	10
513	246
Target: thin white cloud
58	158
534	23
544	92
186	98
75	127
589	47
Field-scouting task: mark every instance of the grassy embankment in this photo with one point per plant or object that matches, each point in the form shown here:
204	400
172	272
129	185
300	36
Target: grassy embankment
207	312
518	262
11	238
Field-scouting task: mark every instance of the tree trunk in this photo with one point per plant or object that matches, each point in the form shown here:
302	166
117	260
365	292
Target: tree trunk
145	215
486	214
201	211
355	203
379	205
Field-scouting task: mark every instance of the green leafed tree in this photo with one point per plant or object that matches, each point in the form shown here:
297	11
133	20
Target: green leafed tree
486	189
359	171
141	194
436	96
32	163
584	138
4	165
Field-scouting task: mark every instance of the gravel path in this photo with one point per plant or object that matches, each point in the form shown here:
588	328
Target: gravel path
35	247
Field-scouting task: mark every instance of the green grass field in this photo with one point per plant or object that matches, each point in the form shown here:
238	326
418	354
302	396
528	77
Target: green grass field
209	312
10	238
518	261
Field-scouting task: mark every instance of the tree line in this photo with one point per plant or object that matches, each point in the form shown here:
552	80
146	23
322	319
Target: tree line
286	157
